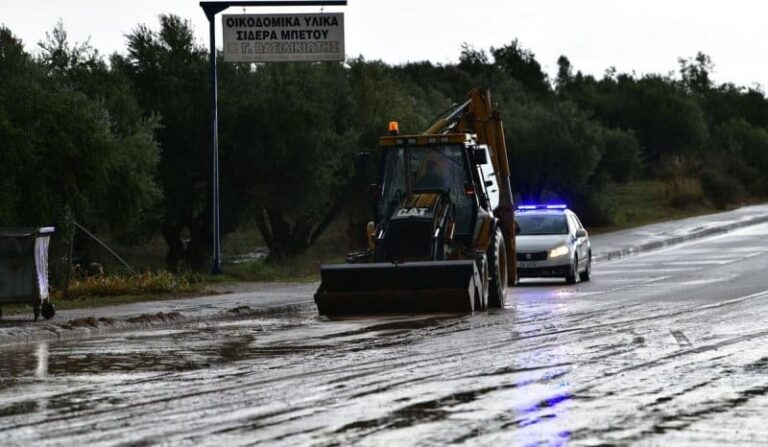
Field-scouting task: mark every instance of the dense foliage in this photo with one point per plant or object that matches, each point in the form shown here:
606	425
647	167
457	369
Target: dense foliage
72	140
123	144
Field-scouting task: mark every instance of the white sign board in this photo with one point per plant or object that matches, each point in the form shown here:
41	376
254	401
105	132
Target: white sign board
283	37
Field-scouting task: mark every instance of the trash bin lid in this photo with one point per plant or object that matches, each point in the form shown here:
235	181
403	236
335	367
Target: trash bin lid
24	231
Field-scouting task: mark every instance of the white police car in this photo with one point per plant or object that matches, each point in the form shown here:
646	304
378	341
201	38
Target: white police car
552	242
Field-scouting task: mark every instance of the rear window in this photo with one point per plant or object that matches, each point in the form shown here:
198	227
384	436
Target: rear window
538	224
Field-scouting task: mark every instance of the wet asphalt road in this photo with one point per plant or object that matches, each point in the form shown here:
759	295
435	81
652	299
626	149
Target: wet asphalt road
666	348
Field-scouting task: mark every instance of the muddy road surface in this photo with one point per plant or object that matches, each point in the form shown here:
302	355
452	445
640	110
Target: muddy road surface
665	348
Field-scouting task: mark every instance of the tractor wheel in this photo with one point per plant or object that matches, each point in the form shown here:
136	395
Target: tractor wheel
497	266
481	293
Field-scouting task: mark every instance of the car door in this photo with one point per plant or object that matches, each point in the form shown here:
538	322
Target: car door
583	242
580	243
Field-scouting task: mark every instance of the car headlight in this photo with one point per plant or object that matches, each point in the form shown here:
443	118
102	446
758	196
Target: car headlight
558	251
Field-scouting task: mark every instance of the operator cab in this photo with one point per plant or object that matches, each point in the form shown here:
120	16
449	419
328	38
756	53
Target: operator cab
451	165
443	168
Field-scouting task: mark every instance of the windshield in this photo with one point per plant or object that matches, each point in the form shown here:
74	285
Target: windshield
428	168
439	167
539	224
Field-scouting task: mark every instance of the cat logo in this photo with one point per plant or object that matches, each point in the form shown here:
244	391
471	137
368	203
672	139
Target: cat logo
412	212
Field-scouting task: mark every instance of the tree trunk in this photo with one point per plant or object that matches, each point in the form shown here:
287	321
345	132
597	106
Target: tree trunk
172	236
200	249
286	240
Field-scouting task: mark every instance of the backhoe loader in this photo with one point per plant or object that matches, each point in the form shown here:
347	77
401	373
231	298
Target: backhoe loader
443	238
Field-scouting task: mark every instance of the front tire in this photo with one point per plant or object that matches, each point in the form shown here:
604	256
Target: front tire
584	276
481	294
497	266
571	278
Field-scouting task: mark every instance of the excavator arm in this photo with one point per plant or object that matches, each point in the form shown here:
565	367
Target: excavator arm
486	123
477	115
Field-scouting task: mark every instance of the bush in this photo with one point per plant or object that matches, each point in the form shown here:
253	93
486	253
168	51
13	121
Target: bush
683	192
721	189
594	211
149	282
621	155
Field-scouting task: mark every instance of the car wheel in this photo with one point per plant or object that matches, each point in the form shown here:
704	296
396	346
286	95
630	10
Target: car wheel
571	278
584	276
497	266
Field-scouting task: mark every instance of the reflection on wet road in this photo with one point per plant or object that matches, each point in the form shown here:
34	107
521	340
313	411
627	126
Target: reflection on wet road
666	348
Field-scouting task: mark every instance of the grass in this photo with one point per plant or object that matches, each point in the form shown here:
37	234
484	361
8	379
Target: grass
109	290
155	285
651	201
146	283
330	248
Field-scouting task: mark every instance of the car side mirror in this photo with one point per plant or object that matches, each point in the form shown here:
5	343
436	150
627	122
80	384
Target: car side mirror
580	233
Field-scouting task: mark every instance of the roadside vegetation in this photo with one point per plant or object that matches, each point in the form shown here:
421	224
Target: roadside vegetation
145	283
119	144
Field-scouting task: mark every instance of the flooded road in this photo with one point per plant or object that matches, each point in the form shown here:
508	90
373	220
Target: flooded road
665	348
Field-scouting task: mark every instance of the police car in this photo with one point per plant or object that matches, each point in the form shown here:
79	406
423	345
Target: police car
551	243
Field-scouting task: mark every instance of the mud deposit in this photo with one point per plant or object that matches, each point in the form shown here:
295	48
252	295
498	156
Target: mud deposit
667	348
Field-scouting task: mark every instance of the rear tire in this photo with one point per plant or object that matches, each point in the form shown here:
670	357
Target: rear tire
497	266
584	276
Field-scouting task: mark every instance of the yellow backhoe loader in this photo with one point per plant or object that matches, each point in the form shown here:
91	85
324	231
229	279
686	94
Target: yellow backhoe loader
444	235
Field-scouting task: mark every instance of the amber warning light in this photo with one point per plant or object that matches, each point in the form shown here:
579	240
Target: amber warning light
394	128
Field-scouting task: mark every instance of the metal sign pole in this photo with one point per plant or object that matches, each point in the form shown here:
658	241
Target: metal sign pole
211	9
216	268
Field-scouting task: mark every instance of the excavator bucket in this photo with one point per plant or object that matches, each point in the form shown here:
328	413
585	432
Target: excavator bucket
409	287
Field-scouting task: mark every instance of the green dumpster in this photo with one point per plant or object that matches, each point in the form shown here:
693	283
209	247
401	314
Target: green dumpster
24	269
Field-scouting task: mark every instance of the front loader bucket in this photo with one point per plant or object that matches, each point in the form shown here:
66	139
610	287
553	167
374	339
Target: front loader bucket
435	286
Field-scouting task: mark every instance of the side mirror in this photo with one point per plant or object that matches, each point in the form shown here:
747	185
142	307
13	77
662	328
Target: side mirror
580	233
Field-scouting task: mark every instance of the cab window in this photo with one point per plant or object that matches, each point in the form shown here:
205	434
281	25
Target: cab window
431	168
443	168
393	187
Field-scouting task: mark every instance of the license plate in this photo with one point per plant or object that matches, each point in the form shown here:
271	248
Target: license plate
526	265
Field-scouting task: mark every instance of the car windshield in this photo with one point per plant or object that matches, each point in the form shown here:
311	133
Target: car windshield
539	224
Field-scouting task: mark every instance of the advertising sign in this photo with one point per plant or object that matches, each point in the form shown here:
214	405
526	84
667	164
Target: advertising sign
283	37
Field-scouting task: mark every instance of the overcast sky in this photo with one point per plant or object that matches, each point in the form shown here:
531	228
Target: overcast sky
647	36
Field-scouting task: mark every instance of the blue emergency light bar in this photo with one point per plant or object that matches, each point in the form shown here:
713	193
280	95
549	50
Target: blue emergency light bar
542	207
